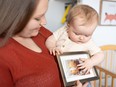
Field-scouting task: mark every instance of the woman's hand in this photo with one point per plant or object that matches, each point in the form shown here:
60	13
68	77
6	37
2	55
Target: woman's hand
79	84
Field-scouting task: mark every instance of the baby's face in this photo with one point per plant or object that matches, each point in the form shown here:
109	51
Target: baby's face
81	33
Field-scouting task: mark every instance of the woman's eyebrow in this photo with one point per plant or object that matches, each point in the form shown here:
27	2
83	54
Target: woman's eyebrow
40	15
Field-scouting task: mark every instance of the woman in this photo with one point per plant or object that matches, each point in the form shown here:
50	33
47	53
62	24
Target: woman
24	58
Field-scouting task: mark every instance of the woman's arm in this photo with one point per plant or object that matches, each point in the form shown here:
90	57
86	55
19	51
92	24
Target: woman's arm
5	77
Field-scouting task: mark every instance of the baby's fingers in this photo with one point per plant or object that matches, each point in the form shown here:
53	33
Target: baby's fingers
53	51
88	71
58	51
81	64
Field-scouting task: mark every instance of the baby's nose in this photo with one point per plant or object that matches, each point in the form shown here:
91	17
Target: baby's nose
81	38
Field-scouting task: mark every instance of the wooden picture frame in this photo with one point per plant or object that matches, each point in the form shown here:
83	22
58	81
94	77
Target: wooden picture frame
107	13
65	61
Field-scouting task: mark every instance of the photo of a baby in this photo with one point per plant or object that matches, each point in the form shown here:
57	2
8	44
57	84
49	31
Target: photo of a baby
74	69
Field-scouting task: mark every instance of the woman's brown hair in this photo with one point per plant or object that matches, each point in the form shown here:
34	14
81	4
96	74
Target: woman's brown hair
14	15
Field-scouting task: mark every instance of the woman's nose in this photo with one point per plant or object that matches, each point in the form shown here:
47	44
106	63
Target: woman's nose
43	21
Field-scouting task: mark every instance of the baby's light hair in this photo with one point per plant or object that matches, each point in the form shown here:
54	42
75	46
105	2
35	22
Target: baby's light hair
87	13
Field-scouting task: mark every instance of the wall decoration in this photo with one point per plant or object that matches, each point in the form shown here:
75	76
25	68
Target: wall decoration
107	13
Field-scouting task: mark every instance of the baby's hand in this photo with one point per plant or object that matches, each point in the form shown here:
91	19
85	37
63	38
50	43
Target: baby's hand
55	50
86	65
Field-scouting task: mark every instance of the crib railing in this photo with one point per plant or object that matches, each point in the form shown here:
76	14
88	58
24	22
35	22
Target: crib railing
107	69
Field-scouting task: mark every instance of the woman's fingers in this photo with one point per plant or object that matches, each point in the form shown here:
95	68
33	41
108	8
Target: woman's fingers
79	84
85	84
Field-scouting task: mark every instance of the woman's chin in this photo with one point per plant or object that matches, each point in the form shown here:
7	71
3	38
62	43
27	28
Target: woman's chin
35	34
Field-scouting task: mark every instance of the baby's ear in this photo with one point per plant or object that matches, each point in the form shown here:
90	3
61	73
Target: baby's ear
68	24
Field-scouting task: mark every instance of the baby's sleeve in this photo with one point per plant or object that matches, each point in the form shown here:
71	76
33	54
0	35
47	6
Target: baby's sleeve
58	32
93	48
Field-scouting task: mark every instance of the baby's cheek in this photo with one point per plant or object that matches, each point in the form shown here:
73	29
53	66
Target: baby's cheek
86	39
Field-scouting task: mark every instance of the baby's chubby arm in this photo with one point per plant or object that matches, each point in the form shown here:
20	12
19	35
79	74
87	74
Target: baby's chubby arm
51	45
97	58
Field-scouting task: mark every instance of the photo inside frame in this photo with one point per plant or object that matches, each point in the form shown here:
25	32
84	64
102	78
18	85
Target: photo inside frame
68	66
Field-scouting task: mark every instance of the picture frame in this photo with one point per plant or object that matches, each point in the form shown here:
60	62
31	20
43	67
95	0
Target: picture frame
107	13
69	73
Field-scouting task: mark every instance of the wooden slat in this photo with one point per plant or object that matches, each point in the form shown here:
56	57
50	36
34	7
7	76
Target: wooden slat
108	66
100	80
94	83
112	85
106	80
108	47
106	71
106	59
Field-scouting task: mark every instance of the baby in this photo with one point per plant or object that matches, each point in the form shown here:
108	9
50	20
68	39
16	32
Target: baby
76	35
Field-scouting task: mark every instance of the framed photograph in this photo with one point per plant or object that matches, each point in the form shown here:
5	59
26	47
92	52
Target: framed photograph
108	12
68	62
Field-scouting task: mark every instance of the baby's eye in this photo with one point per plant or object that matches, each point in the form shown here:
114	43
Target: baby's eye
37	19
87	35
75	33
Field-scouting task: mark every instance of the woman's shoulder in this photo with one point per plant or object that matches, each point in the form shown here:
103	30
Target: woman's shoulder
6	53
7	48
